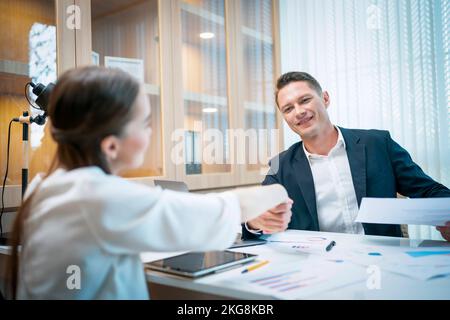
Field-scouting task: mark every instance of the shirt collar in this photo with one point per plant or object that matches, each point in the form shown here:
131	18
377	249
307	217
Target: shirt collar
339	143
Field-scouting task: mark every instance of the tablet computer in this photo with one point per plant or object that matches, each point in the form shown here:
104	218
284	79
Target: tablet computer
239	243
197	264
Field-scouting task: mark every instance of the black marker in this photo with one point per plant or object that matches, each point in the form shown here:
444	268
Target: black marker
331	245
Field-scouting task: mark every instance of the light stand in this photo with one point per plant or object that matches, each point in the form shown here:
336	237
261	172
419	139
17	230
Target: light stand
42	92
25	154
26	120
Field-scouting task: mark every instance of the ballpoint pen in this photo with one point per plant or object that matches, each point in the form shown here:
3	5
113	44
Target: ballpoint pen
255	266
331	245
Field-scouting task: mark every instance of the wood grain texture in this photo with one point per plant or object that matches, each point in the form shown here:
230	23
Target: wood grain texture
17	18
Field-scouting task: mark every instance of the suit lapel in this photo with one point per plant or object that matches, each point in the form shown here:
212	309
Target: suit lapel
305	181
356	153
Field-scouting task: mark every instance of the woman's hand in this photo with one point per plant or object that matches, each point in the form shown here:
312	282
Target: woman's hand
273	220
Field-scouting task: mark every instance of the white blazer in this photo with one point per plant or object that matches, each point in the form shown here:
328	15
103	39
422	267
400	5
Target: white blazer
85	220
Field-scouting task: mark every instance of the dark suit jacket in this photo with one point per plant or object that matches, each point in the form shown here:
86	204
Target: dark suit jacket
380	168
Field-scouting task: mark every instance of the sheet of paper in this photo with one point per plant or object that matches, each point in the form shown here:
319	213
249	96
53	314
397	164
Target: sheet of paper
430	211
300	280
422	267
293	242
294	236
417	263
369	254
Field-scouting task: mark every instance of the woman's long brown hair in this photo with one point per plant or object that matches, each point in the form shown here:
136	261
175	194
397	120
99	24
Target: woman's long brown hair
86	105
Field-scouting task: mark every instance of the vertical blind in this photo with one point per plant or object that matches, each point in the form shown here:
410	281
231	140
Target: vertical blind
386	65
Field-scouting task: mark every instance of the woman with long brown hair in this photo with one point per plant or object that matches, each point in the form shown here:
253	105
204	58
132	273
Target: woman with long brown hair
82	216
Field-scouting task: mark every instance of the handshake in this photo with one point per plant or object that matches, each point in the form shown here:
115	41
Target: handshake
265	208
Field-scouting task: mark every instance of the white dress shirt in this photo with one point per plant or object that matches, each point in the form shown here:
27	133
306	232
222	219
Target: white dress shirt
337	206
100	224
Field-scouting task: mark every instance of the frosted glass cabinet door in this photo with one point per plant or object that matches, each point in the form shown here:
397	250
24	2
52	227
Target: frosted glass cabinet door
204	72
125	35
27	53
256	34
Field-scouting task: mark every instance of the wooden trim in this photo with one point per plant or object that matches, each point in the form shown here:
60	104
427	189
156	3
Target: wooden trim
167	78
119	9
277	64
13	84
177	83
11	209
83	37
65	38
14	67
239	75
235	61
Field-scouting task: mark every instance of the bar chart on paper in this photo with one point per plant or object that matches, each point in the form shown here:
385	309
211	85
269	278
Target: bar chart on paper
294	281
289	281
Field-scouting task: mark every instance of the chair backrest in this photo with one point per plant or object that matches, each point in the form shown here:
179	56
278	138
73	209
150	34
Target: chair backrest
172	185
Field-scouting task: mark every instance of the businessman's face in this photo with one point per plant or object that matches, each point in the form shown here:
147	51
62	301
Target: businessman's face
304	109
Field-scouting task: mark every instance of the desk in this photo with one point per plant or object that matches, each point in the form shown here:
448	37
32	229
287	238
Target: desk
393	286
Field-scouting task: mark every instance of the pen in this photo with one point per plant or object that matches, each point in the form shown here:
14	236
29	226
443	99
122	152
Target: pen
331	245
255	266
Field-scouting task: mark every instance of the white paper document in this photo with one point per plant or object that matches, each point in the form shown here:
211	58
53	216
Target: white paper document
430	211
301	280
294	242
418	263
421	267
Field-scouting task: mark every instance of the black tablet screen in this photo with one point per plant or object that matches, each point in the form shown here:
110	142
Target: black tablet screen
197	261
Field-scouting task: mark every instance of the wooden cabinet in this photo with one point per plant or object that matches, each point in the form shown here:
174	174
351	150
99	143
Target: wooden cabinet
33	47
228	54
125	33
208	68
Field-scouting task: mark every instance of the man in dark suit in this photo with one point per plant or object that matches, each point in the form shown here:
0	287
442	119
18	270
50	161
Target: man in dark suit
332	169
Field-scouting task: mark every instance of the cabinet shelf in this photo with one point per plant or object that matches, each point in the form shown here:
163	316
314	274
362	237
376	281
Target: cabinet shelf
256	35
259	107
223	102
206	98
212	17
152	89
205	14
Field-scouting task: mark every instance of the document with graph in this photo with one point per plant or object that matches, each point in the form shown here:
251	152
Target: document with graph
300	280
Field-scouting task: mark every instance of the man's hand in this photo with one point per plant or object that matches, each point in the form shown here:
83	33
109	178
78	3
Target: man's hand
445	231
273	220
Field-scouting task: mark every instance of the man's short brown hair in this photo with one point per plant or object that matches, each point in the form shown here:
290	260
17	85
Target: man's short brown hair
295	76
